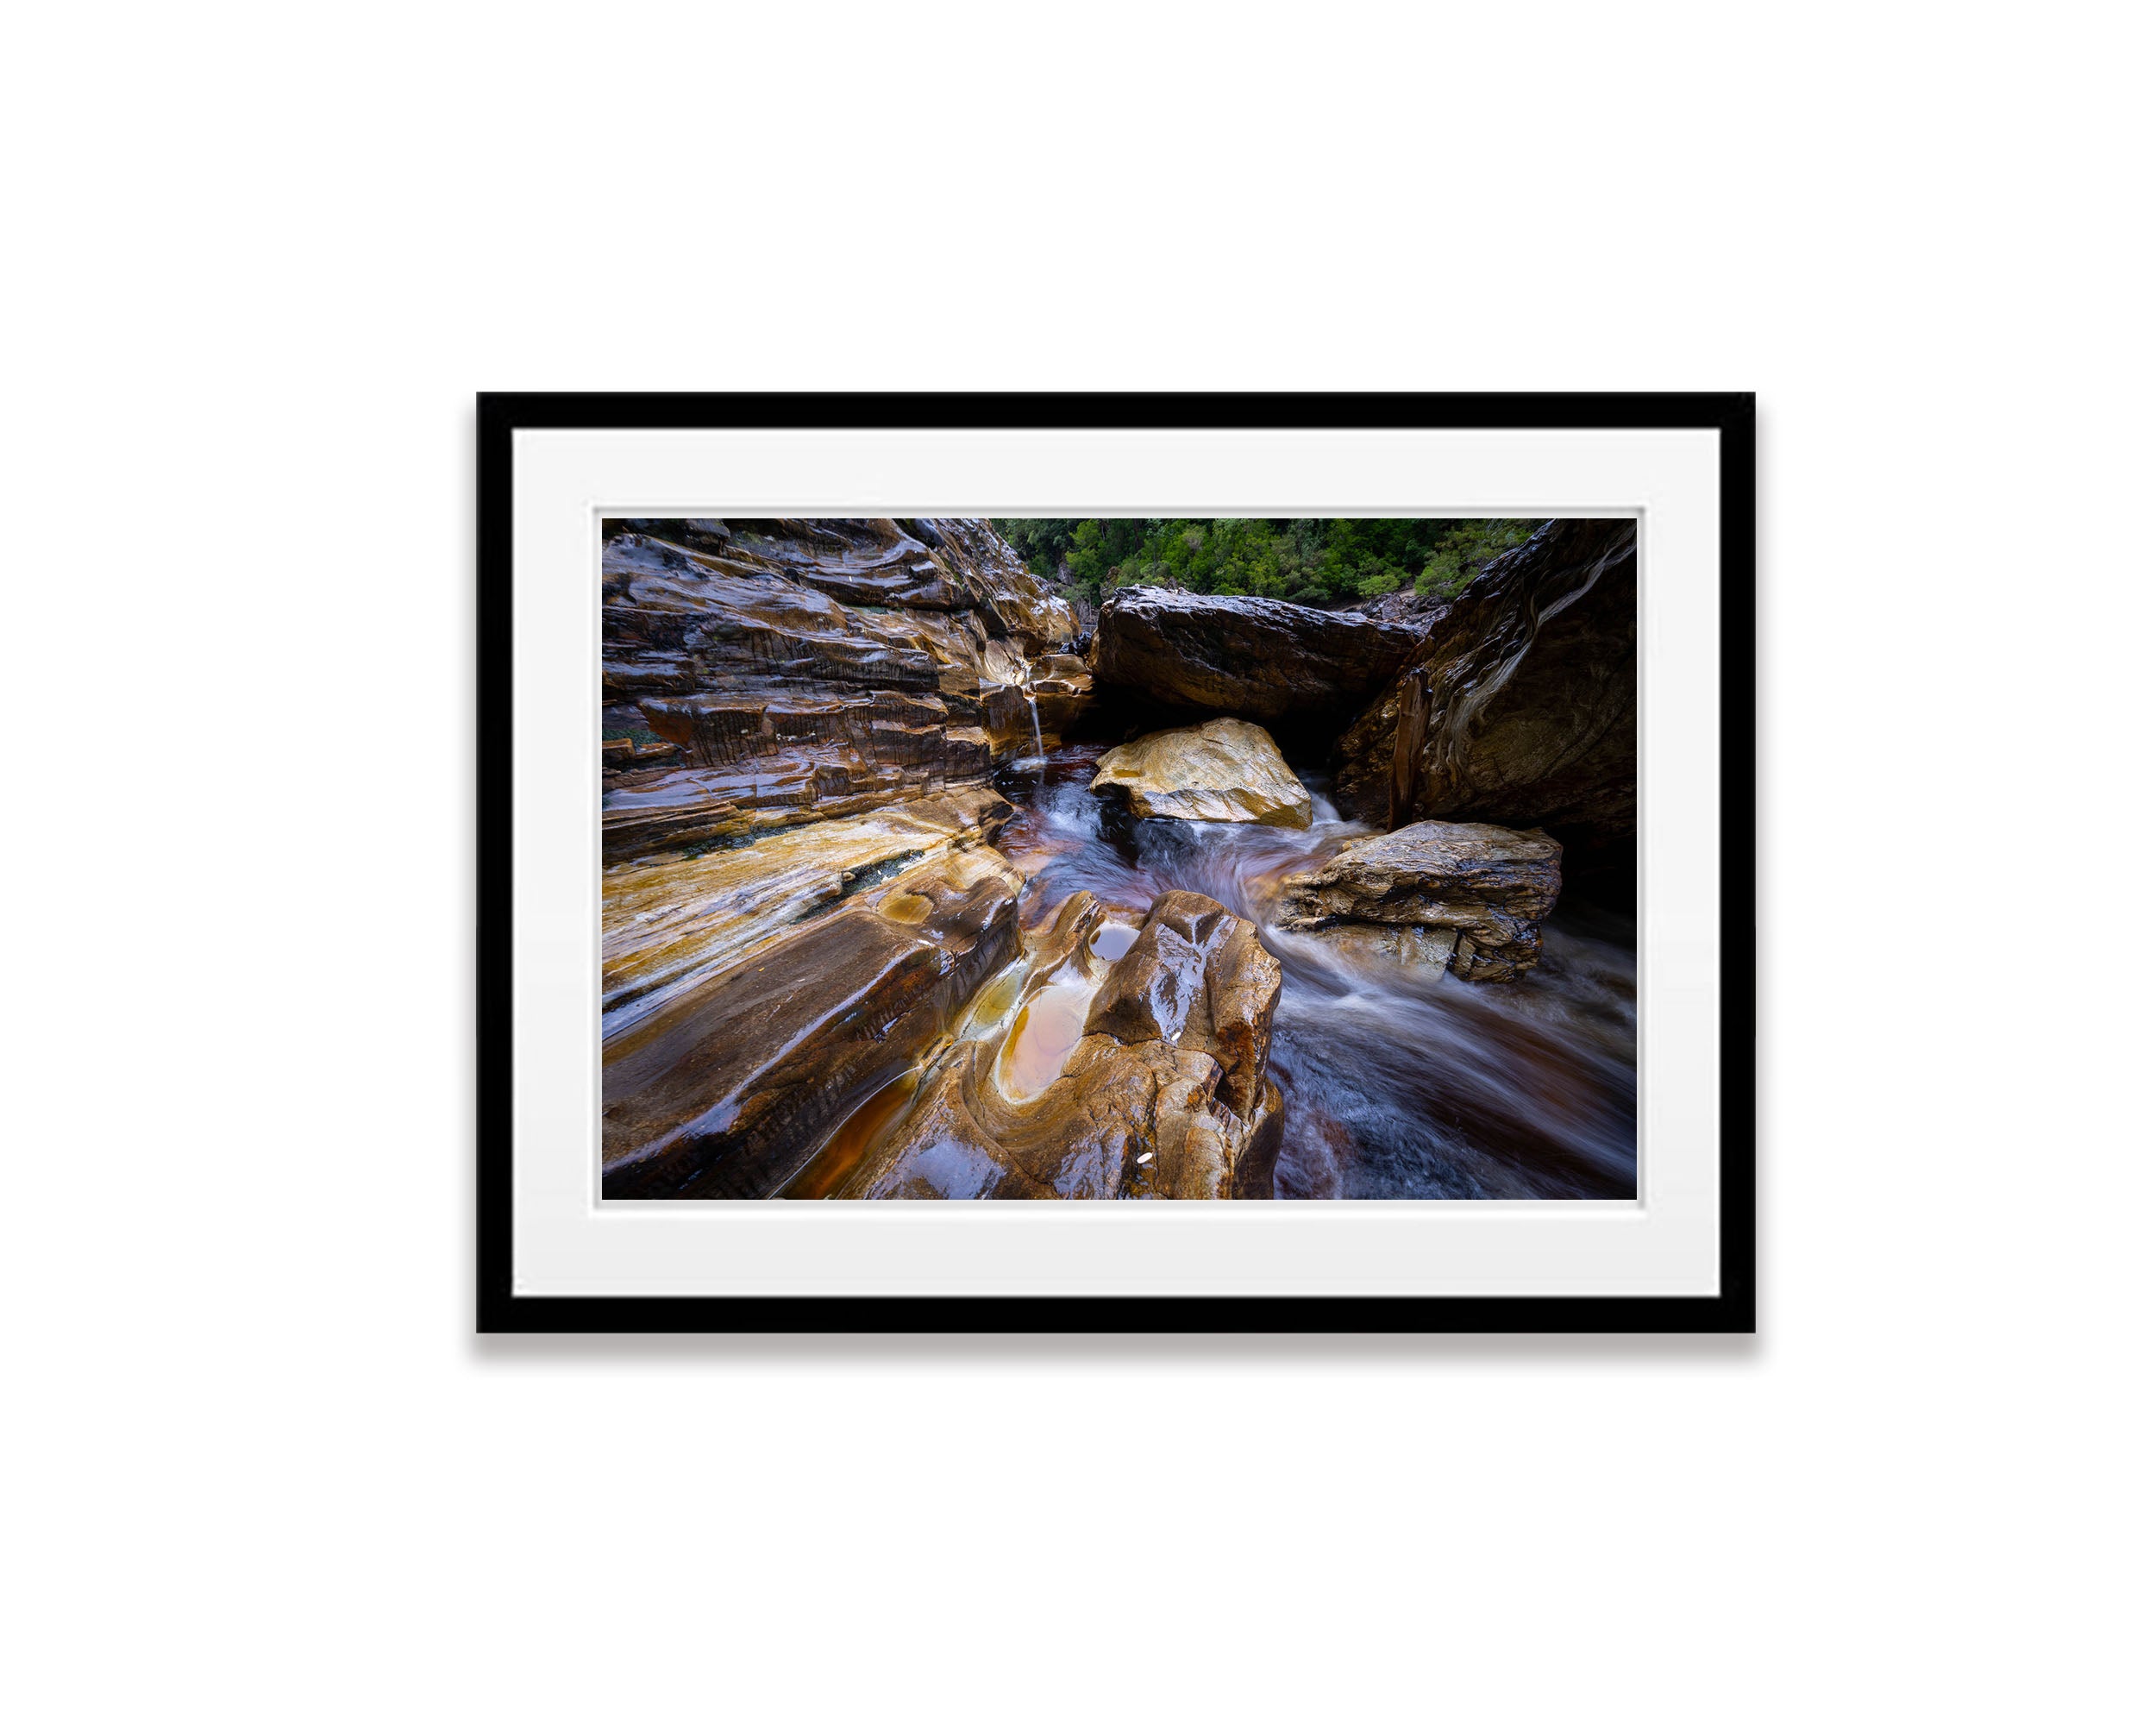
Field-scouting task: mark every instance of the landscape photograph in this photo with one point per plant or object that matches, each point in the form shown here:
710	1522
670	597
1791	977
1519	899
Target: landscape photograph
1119	857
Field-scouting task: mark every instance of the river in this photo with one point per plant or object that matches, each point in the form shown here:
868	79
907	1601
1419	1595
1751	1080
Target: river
1399	1082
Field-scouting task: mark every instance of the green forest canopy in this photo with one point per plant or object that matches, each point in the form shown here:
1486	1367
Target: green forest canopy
1310	562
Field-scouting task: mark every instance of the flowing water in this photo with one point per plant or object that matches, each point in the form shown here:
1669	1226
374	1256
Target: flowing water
1401	1083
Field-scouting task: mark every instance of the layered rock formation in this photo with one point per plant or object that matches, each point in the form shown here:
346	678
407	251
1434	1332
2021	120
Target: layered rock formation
619	753
1228	770
765	673
1460	896
1254	658
1518	706
816	982
1060	686
1091	1075
726	1088
668	921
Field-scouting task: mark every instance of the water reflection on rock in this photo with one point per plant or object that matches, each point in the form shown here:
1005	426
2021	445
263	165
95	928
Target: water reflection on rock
1402	1081
1047	1029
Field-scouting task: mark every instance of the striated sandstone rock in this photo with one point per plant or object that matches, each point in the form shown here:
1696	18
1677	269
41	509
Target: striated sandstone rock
949	565
1256	658
757	767
799	670
1468	897
1139	1076
1228	770
729	1086
667	922
1062	687
1518	706
619	753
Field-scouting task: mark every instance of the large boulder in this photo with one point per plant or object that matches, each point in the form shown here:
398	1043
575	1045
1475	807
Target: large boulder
1460	896
769	673
1228	770
726	1088
1518	706
1111	1068
1255	658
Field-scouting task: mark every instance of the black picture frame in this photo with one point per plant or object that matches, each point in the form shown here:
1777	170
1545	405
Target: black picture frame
1732	1310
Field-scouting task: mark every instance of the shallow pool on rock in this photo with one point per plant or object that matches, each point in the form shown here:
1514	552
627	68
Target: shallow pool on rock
1113	939
1047	1027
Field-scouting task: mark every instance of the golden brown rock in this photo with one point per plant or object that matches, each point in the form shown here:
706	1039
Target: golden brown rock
1196	976
668	921
756	767
1083	1075
1062	687
1471	898
647	812
728	1087
1228	770
805	669
1118	1123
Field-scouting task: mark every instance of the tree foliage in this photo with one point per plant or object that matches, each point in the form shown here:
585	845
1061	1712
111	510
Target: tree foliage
1309	563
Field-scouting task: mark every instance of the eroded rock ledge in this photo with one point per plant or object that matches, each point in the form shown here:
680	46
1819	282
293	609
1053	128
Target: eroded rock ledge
1254	658
1460	896
1141	1075
726	1088
667	922
760	673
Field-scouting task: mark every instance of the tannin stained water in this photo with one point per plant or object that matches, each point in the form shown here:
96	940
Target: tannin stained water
1047	1027
1400	1082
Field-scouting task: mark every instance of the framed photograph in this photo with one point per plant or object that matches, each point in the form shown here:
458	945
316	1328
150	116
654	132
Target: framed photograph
1300	845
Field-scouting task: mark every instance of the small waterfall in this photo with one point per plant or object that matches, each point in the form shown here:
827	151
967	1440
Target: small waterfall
1040	755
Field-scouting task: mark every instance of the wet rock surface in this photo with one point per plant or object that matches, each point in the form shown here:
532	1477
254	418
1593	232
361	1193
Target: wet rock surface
1196	976
1518	706
797	761
1463	896
1142	1075
620	754
668	921
1254	658
1189	976
727	1088
1061	688
768	672
1226	770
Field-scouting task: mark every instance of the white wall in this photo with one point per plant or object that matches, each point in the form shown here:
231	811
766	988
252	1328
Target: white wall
260	258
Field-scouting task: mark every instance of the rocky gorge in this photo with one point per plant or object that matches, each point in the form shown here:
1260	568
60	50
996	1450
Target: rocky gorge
910	889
